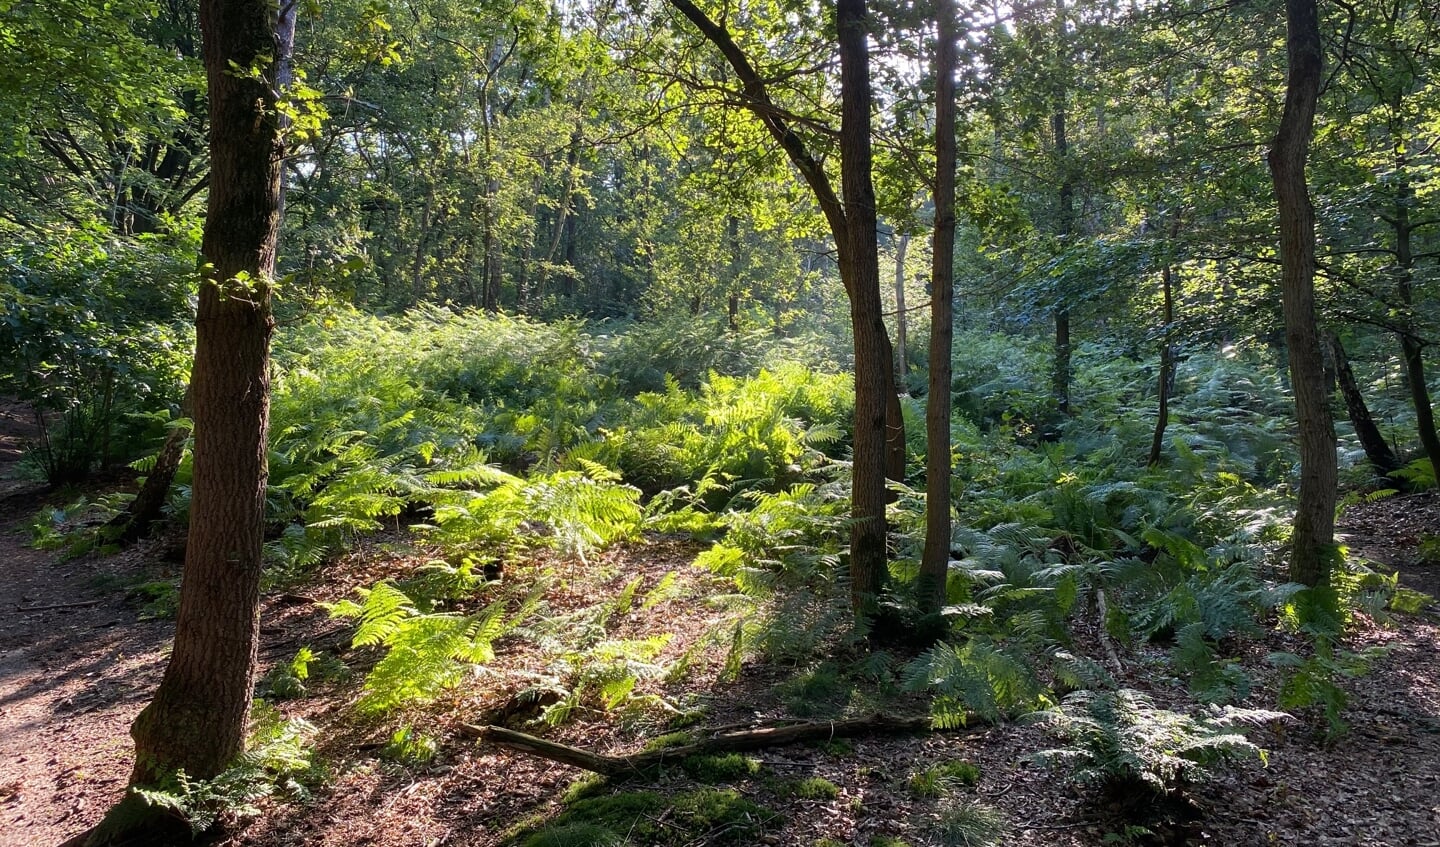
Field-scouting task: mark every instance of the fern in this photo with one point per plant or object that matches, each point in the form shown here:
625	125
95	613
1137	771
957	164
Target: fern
424	653
1123	742
974	678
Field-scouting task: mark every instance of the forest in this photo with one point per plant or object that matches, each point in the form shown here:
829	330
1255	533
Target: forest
665	423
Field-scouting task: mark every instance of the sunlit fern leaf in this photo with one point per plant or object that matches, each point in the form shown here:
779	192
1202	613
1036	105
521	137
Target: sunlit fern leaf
386	607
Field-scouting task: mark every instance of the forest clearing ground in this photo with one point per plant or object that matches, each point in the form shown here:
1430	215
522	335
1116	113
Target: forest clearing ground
72	678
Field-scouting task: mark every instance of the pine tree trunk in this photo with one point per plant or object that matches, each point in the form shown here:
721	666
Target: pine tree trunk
1313	537
935	557
197	721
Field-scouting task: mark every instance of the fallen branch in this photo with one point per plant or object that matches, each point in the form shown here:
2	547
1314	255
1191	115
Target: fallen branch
724	742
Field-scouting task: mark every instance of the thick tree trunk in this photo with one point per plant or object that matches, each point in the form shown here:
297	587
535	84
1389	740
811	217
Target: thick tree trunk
197	721
1313	537
1167	364
1377	450
935	557
860	267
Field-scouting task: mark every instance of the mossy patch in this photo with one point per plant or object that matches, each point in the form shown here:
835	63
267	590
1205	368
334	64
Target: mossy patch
811	788
573	835
590	785
710	815
668	740
726	767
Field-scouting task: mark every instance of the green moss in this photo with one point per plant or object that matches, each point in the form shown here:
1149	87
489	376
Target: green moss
710	815
720	768
888	841
573	835
583	788
669	739
728	817
821	691
829	842
811	788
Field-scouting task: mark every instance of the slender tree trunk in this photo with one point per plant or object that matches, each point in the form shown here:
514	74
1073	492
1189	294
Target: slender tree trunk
491	245
563	217
935	558
1167	364
149	502
902	245
1411	349
732	298
853	225
1377	450
1313	537
1060	375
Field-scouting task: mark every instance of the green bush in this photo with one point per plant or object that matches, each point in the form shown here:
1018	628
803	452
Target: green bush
96	335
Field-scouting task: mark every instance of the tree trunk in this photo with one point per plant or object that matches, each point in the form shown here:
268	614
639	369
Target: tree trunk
853	224
732	298
149	502
1377	450
860	267
1410	347
935	558
197	721
1065	220
1167	364
902	244
1313	537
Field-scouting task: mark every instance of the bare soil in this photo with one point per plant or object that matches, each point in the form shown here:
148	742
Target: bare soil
77	663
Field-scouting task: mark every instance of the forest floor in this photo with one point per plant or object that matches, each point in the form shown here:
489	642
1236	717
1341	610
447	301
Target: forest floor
78	659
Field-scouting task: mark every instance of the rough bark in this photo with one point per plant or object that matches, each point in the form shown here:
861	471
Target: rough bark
860	266
197	721
1313	536
935	557
1377	450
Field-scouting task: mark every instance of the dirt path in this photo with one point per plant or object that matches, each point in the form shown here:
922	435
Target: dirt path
72	676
